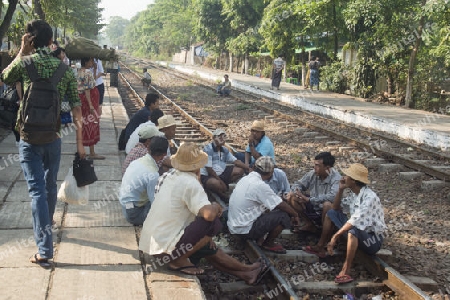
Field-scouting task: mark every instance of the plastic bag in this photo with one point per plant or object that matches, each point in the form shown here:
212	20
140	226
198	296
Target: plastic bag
70	193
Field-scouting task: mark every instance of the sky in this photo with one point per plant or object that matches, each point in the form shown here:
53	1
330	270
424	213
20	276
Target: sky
124	9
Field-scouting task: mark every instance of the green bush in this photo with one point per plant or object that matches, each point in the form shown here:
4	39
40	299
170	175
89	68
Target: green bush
334	77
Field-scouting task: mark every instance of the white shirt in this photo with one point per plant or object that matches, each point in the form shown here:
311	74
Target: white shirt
250	198
100	69
134	137
178	200
366	211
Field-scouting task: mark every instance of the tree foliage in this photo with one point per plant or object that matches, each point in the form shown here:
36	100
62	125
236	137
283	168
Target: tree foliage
116	30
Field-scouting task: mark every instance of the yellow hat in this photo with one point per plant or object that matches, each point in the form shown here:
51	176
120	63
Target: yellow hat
166	121
258	125
189	157
357	172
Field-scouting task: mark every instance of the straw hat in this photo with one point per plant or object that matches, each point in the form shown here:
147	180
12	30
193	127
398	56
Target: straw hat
189	157
258	125
357	172
166	121
218	132
147	132
265	164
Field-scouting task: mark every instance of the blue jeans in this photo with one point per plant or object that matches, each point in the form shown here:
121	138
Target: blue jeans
40	165
368	242
136	215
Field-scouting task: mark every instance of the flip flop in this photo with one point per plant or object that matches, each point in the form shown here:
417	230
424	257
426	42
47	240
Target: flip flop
264	270
310	250
96	157
42	262
340	279
181	269
277	248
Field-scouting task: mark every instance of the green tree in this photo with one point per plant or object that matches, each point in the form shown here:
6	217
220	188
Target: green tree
244	17
115	30
7	16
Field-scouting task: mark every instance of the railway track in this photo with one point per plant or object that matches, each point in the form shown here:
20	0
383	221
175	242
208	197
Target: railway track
193	129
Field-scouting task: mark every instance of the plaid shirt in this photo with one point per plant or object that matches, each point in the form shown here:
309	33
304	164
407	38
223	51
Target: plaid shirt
137	152
45	65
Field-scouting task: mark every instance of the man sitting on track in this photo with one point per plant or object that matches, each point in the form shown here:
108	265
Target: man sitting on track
181	223
141	116
146	134
258	145
139	182
279	183
364	230
152	121
247	216
323	185
168	127
216	175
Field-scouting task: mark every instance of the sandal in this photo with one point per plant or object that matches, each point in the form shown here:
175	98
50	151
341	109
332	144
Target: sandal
310	250
340	279
42	262
96	157
277	248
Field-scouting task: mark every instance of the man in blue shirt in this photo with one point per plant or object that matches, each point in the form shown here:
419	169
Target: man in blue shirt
279	183
258	145
137	191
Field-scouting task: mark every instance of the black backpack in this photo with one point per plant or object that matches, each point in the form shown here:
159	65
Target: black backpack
39	120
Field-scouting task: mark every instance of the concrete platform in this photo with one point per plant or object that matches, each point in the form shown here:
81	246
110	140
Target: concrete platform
98	282
96	252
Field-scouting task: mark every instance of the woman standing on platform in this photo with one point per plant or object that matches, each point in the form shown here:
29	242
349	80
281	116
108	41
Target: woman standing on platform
314	65
277	71
89	96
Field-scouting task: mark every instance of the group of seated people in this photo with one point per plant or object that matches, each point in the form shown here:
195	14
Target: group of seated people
179	221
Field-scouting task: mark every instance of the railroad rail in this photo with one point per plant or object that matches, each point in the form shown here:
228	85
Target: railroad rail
390	278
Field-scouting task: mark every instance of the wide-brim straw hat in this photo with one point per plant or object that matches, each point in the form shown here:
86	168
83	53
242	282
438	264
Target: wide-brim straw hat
166	121
357	172
258	125
189	157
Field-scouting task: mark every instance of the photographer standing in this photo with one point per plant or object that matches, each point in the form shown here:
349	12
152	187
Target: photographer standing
40	160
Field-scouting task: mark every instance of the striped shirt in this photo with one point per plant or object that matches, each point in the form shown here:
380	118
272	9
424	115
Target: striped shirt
217	159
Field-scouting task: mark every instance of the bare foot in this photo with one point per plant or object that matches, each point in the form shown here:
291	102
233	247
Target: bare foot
187	269
255	275
307	227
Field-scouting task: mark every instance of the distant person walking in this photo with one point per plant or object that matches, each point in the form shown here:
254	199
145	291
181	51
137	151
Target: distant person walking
314	66
277	71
